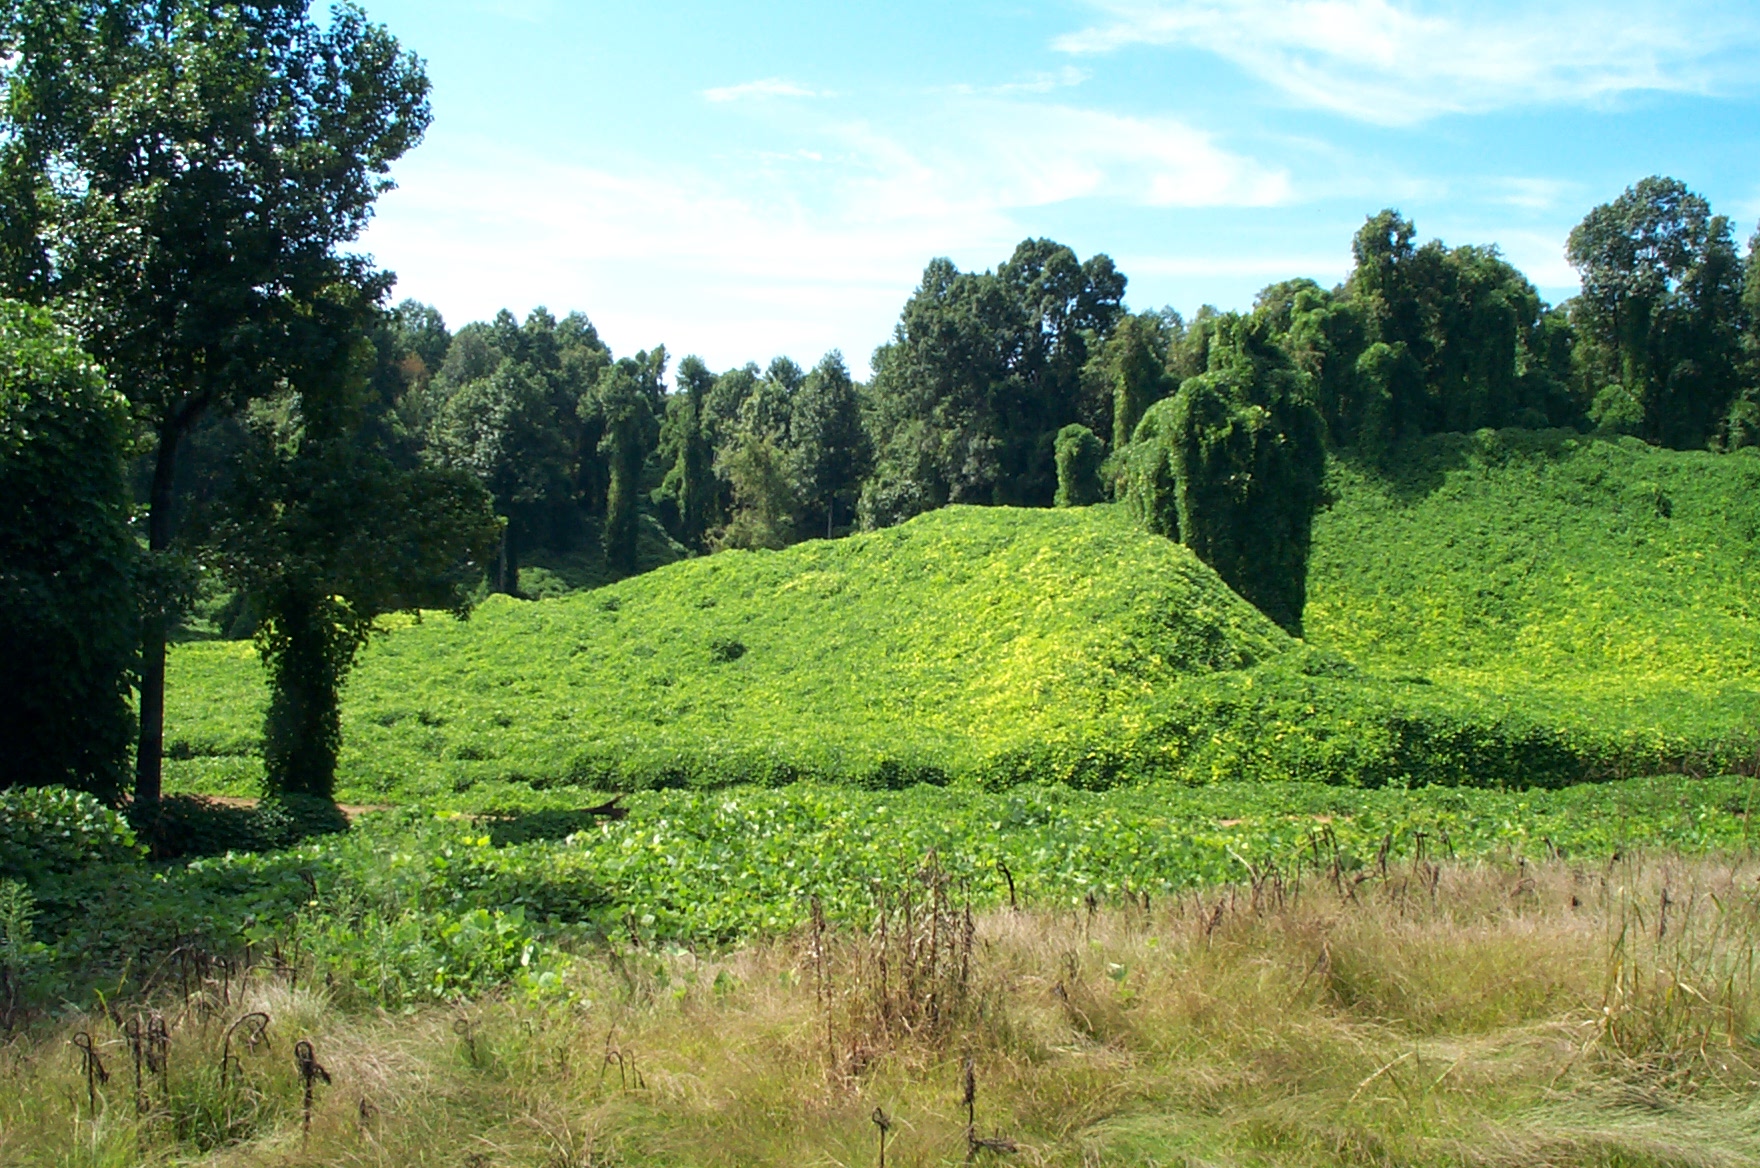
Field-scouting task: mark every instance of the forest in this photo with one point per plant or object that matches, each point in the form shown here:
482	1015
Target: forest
1166	734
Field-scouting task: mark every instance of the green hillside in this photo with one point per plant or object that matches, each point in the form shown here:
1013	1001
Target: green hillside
1604	582
968	639
1496	609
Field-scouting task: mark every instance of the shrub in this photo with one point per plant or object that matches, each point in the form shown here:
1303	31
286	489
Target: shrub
68	615
47	830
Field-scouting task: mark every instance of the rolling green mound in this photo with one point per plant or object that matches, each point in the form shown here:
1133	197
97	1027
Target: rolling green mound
1509	609
968	640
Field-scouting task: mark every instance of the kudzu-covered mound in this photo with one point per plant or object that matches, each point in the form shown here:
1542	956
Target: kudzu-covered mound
993	646
969	640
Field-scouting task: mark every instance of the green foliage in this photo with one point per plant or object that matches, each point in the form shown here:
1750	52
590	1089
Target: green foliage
1469	343
965	643
1602	586
46	830
627	400
830	447
412	907
68	617
501	430
1661	302
1079	455
1248	458
983	369
689	486
193	229
1145	474
328	533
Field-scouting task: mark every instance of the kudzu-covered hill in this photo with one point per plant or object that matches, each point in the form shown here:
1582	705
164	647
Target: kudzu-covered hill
1498	609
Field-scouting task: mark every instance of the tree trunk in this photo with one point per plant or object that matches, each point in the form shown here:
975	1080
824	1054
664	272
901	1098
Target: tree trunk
507	573
148	768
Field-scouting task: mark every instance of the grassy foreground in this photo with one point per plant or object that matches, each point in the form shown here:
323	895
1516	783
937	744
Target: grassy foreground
1453	1014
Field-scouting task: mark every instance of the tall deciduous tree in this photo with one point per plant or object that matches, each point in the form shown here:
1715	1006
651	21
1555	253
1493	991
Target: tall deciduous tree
1662	287
188	172
628	401
983	369
503	430
690	474
68	630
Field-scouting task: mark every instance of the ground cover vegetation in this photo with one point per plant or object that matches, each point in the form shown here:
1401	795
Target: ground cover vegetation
1511	608
1101	734
1417	1011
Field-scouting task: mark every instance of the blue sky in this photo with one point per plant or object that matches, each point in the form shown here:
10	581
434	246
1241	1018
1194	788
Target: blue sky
740	180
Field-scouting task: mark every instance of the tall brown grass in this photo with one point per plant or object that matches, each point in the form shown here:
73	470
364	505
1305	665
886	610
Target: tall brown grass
1554	1014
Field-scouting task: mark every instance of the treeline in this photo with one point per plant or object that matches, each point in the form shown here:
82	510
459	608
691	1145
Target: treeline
1033	385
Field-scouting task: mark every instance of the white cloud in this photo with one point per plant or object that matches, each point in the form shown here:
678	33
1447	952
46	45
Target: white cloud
789	251
1398	63
767	87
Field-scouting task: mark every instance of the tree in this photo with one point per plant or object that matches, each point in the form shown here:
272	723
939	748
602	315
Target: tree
1661	302
1136	358
983	369
68	631
1248	459
1146	472
186	173
503	430
830	447
329	534
627	399
1079	455
689	485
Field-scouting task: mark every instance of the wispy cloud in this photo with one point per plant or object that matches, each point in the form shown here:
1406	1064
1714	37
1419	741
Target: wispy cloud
766	87
1067	77
1397	63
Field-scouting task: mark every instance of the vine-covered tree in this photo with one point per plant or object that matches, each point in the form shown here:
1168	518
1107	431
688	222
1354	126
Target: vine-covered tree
1145	472
689	486
627	401
181	176
68	621
1079	455
329	533
1248	454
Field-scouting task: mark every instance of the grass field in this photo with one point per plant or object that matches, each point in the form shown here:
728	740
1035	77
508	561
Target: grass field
1491	609
1553	1013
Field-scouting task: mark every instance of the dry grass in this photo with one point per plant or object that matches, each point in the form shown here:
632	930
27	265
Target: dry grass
1461	1015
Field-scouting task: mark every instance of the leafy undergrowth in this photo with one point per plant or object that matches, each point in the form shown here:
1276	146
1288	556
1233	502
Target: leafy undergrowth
1558	1013
1602	579
1497	610
412	906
